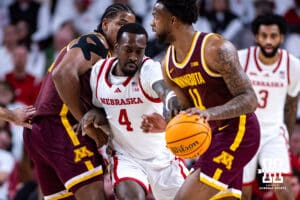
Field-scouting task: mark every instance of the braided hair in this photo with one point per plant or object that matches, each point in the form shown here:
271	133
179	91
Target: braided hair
111	12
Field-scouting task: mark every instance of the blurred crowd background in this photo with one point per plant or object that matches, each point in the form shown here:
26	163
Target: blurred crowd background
32	32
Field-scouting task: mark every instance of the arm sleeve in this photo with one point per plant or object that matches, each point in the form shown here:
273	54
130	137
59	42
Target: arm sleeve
93	82
150	73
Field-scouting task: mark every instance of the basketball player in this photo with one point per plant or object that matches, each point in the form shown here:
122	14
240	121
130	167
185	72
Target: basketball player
127	87
17	116
274	74
68	165
204	72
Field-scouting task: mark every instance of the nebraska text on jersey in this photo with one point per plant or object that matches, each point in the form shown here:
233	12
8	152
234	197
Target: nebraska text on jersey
124	101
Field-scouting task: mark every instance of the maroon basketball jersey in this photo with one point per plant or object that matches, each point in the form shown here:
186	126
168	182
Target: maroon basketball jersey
48	102
202	86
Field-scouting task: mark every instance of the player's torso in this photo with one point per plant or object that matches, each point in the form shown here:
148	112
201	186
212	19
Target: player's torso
125	102
270	84
203	87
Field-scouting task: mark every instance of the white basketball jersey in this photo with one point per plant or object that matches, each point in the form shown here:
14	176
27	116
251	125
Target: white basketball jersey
272	83
125	100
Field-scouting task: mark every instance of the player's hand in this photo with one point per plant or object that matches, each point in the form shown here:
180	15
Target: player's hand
97	134
171	113
21	115
153	123
93	118
200	113
91	125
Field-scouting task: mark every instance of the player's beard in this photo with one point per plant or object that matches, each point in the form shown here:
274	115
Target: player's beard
269	55
163	38
130	72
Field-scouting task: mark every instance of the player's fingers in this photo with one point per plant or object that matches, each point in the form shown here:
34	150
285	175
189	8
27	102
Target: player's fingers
26	125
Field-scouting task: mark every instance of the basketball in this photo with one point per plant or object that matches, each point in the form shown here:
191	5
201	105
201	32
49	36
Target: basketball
187	136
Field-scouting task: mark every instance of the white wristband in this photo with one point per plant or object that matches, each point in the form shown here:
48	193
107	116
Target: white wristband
168	97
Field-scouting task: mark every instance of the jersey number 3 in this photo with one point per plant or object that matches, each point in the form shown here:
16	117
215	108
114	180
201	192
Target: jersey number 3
124	120
263	98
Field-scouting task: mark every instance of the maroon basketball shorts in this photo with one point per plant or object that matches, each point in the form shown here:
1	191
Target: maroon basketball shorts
63	160
233	145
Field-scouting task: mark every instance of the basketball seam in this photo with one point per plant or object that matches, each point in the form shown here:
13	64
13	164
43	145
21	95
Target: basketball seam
188	137
189	123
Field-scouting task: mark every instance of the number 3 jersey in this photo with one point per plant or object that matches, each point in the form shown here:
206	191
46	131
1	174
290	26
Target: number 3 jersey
272	83
126	100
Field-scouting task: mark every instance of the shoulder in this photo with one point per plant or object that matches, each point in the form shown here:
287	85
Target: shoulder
150	64
91	38
243	53
219	52
293	59
216	44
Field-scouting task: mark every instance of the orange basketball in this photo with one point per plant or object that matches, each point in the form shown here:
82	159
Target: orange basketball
188	137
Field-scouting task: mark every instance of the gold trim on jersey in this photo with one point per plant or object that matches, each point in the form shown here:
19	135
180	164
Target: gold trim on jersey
166	64
67	125
205	67
59	195
212	182
189	54
240	134
231	193
83	177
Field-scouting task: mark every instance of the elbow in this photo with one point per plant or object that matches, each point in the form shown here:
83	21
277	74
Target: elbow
253	102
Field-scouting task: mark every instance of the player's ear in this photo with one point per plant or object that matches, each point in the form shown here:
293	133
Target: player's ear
104	25
173	20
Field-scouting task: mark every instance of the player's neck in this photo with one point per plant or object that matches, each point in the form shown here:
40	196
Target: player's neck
183	41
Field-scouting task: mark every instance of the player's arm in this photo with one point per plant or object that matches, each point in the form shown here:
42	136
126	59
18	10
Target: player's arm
184	101
221	57
155	123
83	54
18	116
290	112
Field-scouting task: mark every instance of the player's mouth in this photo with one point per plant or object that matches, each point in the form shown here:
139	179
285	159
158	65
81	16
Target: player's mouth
269	49
131	66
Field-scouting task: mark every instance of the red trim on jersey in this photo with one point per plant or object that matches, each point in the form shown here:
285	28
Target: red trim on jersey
125	83
130	77
107	72
98	77
288	67
259	67
155	100
118	180
181	166
115	158
280	59
247	59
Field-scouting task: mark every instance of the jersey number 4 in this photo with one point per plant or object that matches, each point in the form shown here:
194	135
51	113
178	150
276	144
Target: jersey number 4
124	120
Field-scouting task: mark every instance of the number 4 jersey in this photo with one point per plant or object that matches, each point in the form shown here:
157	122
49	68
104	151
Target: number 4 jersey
126	100
272	83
